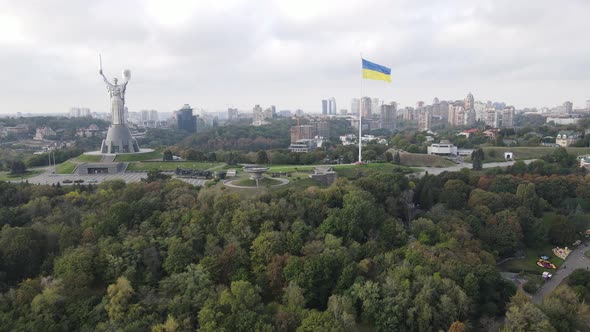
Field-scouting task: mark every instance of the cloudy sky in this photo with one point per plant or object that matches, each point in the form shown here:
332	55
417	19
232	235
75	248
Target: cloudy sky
219	53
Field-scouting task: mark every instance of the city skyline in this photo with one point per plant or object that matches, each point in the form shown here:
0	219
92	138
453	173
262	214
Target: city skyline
291	54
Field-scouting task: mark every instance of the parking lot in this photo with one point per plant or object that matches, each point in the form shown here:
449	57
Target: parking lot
48	178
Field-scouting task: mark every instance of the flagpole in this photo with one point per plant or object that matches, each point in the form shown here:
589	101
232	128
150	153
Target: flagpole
361	114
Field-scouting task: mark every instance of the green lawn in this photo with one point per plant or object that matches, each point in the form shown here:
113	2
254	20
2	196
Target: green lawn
169	165
6	176
351	171
424	160
88	158
139	156
529	263
494	153
67	167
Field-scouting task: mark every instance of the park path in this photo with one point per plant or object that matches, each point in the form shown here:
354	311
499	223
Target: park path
458	167
575	260
108	158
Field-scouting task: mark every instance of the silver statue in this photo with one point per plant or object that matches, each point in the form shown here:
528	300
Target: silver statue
117	93
119	139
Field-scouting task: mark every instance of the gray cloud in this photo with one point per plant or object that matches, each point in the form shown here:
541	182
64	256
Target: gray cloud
291	53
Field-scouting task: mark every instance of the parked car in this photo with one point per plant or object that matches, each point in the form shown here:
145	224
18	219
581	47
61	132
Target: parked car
78	181
67	181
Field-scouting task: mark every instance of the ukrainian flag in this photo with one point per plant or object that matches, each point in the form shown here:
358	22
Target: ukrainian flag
374	71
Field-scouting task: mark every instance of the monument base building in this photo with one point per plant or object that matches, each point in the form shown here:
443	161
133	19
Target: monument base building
119	140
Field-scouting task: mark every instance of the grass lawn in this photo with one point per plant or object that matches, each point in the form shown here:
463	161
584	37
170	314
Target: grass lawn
139	156
529	263
6	176
88	158
424	160
169	165
351	171
67	167
496	153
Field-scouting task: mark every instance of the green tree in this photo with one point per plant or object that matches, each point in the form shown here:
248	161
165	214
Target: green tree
318	321
17	167
21	252
119	296
179	255
238	308
477	157
565	311
523	315
262	157
167	155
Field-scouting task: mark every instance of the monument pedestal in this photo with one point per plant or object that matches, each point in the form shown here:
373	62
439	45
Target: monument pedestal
119	140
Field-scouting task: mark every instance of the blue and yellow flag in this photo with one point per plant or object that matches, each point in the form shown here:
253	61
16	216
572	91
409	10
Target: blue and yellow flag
374	71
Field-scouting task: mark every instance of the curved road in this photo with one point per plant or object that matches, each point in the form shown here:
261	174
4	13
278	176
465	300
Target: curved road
575	260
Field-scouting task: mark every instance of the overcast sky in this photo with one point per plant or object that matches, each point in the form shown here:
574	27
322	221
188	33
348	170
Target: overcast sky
220	53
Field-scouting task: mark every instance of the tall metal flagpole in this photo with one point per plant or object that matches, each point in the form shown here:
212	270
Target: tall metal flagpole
361	114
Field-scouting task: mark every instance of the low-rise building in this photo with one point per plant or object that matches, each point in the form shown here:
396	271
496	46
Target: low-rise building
567	138
442	149
43	133
585	162
303	145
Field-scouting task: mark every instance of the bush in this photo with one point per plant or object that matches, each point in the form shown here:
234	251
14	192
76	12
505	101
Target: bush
532	285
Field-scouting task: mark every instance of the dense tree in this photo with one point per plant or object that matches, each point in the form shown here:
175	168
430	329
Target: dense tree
17	167
477	157
167	155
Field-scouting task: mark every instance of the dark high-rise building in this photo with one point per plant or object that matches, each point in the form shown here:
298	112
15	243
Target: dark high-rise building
324	106
389	116
185	119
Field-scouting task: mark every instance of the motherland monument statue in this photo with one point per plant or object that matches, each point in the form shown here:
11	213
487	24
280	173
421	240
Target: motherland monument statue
119	138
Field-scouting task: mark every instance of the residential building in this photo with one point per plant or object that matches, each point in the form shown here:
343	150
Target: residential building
302	132
185	120
43	133
375	105
366	107
91	131
424	120
258	116
491	118
355	106
568	106
232	114
567	138
456	115
79	112
389	116
469	102
508	117
321	128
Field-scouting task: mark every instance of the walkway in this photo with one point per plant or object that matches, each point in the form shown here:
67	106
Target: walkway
228	183
458	167
575	260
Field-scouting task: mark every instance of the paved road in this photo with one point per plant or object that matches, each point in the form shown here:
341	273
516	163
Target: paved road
575	260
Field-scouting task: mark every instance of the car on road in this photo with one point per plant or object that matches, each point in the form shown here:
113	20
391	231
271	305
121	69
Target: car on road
67	181
78	181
